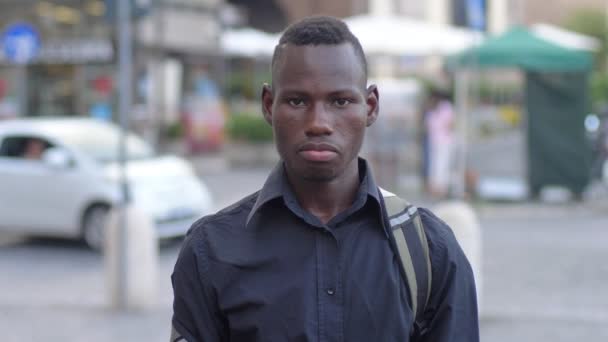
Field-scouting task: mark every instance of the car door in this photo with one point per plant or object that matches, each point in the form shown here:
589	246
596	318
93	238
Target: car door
35	197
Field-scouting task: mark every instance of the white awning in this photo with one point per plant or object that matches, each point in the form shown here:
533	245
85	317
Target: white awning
248	42
402	36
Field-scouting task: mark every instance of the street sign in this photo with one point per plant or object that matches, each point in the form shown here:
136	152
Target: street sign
20	43
476	14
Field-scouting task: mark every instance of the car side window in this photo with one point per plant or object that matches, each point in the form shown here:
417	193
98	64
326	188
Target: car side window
23	147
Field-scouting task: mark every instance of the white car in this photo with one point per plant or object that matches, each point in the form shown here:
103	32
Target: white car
60	176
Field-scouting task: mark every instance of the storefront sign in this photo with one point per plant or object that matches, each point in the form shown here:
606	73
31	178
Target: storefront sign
70	52
76	51
178	28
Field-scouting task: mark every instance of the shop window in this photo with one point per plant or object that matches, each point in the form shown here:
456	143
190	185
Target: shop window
53	90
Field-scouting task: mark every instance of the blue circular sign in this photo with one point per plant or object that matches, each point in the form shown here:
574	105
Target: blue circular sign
20	43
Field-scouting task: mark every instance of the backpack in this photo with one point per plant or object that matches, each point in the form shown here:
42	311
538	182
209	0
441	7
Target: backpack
409	240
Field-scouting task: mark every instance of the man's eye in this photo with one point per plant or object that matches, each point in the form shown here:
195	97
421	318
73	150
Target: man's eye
296	102
342	102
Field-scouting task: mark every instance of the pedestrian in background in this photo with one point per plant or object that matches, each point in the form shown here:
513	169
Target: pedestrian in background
314	255
440	126
425	160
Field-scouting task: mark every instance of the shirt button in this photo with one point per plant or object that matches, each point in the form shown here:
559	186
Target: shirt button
331	292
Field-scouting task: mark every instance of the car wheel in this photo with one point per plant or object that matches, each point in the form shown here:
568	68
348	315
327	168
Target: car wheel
93	226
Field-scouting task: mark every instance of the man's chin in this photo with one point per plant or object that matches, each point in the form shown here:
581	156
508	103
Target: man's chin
319	177
320	173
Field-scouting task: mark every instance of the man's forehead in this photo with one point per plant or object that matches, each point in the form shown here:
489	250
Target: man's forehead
323	52
313	60
317	47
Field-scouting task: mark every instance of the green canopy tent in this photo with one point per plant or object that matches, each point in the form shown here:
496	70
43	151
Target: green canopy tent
556	103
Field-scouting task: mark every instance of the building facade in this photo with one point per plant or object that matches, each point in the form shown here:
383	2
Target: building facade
73	67
274	15
68	68
537	11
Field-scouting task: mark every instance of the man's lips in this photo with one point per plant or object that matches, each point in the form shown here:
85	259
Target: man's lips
318	152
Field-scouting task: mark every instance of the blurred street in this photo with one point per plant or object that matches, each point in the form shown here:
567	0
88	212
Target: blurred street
156	105
544	276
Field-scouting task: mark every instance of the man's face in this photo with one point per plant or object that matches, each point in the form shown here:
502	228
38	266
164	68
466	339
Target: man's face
34	149
319	108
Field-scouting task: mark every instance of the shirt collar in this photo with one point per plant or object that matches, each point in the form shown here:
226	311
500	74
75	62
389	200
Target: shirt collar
368	181
276	186
273	188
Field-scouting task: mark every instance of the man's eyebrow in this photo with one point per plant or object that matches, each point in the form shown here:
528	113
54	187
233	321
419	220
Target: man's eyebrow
337	92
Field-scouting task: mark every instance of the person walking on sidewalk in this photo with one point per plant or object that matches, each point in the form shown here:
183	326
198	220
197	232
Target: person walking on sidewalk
440	126
320	253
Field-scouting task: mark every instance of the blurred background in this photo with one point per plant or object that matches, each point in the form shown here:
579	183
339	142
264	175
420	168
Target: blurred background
500	104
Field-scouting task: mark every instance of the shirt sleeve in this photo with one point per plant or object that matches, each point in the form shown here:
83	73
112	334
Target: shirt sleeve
451	313
196	316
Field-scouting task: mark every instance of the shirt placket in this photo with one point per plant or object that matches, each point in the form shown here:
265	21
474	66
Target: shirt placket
329	289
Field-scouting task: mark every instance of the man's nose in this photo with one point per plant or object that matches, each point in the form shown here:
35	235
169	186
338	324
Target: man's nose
319	121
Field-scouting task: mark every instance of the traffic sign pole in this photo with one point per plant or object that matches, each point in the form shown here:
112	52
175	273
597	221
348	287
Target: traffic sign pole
125	60
20	45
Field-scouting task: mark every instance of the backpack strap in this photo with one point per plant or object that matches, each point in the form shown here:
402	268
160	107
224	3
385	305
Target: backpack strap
175	336
411	243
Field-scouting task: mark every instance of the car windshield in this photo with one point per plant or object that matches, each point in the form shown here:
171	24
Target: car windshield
101	143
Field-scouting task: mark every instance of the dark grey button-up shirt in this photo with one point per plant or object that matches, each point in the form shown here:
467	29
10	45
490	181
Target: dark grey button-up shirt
264	269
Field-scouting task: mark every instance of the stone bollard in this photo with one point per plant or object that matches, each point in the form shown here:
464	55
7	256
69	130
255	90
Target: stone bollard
463	220
139	287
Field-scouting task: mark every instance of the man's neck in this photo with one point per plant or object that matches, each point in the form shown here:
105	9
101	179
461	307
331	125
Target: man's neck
327	199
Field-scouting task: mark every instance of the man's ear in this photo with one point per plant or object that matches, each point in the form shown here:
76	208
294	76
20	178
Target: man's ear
267	101
373	104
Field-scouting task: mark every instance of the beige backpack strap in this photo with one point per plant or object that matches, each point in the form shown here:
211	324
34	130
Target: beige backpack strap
412	245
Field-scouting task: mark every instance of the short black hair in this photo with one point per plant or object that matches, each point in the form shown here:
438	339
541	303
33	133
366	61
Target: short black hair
318	30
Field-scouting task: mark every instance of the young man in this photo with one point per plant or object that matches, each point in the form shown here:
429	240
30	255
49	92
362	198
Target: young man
309	256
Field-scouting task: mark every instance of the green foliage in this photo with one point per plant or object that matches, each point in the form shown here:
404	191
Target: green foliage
248	127
240	84
246	84
599	88
590	22
174	130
